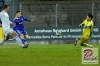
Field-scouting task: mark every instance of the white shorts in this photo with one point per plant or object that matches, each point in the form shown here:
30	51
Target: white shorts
7	31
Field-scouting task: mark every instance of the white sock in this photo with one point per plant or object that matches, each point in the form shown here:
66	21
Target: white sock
19	41
2	41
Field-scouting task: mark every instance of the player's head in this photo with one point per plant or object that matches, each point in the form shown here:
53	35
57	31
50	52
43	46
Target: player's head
89	16
18	13
6	8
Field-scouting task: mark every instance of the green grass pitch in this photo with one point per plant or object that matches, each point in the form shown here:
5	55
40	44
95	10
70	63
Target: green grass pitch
42	55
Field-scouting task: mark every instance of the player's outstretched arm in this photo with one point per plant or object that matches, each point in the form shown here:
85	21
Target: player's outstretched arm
82	23
26	19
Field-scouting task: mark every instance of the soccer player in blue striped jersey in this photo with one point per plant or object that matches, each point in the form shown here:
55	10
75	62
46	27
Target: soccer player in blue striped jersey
19	27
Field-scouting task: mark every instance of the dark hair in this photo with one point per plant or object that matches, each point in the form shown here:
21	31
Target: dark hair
5	6
90	15
18	11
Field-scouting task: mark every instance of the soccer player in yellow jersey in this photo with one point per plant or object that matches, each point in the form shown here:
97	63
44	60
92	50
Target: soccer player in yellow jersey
87	31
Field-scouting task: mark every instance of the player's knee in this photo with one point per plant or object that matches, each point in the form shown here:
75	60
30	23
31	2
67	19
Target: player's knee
84	37
21	36
14	33
26	37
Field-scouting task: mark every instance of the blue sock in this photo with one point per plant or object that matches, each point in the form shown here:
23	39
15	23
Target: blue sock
23	40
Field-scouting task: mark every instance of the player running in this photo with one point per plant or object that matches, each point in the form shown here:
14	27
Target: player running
6	26
19	27
87	31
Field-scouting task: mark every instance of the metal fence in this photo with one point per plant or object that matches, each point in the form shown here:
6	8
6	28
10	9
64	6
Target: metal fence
63	13
55	13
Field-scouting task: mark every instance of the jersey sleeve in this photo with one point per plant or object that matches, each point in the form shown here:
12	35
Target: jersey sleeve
15	21
82	23
26	19
90	24
4	19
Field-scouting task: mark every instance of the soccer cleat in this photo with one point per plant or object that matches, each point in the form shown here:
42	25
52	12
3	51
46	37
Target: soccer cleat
91	46
75	43
25	46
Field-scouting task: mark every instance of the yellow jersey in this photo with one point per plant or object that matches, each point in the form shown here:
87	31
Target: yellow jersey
88	27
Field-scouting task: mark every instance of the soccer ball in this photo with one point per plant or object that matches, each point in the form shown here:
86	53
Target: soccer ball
76	40
58	33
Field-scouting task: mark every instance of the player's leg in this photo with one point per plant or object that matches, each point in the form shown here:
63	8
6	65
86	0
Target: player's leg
22	38
13	33
17	38
21	35
83	40
86	44
25	35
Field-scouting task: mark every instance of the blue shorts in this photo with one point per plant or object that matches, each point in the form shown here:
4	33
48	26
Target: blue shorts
19	32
